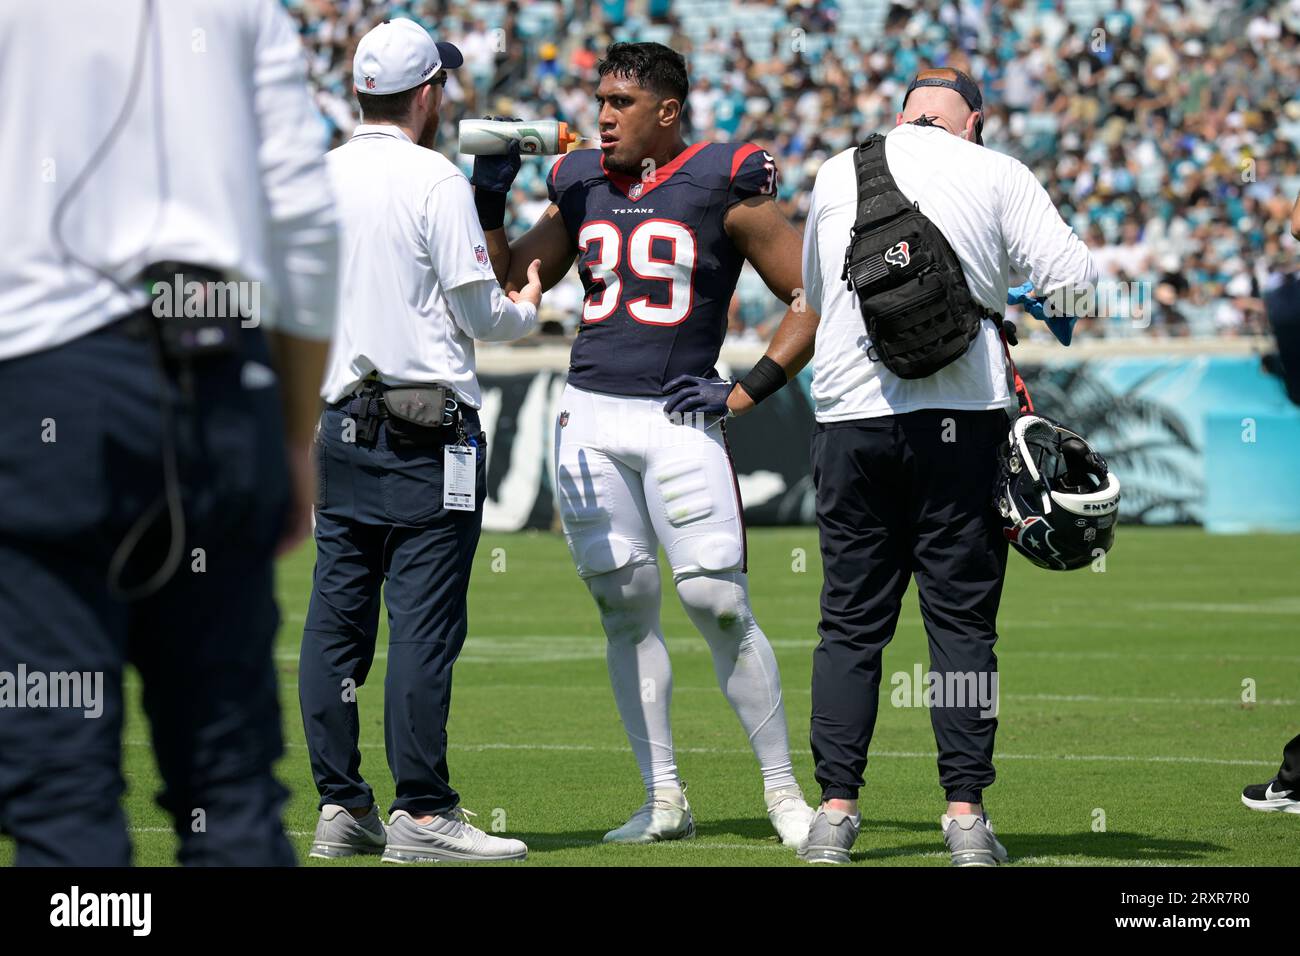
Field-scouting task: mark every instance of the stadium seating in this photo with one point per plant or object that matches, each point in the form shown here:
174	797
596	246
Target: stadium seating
1167	133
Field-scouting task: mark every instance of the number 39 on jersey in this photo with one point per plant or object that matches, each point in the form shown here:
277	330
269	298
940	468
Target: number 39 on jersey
658	270
674	267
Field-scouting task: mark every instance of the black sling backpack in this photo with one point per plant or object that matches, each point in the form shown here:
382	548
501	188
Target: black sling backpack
919	312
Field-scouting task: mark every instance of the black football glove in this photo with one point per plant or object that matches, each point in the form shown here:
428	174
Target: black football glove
690	393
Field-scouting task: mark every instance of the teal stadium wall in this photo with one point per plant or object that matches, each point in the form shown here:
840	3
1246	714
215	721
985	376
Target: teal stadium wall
1196	439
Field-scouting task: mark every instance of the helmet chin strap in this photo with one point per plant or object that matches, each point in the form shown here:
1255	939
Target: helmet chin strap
1019	430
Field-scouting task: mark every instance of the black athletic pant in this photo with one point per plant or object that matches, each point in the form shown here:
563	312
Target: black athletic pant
1288	778
899	496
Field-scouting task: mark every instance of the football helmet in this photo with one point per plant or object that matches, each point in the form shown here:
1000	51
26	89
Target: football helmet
1057	496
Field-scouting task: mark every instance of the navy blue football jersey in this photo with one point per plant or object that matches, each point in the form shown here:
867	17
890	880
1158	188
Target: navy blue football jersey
657	267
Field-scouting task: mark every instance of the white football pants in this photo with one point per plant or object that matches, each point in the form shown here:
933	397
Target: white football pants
628	479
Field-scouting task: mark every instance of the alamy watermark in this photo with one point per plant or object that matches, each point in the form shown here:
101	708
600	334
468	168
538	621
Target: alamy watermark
133	911
957	689
75	690
227	299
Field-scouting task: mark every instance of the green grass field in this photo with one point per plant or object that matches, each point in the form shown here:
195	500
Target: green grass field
1121	696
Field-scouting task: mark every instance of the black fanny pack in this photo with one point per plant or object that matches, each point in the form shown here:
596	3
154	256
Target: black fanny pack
415	415
919	312
428	406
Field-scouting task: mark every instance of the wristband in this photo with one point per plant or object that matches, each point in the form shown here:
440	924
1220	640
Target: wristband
491	208
764	379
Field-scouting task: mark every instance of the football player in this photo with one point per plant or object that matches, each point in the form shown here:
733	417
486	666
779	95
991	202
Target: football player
660	230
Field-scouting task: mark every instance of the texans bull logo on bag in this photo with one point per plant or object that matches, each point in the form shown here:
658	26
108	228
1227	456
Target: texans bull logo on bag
898	255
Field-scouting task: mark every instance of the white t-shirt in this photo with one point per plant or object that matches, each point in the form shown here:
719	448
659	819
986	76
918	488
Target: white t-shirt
416	286
994	214
219	162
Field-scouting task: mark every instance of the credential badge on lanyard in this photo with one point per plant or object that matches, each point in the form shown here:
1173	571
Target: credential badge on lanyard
458	474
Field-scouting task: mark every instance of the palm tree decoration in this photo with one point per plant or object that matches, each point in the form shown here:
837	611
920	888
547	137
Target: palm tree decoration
1146	441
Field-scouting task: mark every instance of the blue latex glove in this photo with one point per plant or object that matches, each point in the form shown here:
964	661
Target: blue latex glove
690	393
1061	326
497	174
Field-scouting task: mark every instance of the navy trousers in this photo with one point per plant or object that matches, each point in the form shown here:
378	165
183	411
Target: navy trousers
898	497
80	461
380	522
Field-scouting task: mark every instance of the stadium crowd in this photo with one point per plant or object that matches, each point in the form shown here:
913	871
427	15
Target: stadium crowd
1165	130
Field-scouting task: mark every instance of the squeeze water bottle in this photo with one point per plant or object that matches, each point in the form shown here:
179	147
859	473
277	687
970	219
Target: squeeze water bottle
481	137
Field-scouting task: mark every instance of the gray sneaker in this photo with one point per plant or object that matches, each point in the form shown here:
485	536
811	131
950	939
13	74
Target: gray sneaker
831	835
448	836
971	840
340	834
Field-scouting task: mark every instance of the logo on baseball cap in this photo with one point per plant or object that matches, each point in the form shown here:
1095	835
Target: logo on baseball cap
953	79
400	54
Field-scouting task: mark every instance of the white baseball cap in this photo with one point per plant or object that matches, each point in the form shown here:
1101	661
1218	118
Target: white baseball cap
397	55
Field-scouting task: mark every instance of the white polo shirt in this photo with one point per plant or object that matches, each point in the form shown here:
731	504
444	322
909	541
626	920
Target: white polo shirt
220	162
994	214
416	285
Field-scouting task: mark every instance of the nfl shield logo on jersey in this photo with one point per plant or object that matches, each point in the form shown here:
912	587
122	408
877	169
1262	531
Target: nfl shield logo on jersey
564	418
370	82
481	255
635	191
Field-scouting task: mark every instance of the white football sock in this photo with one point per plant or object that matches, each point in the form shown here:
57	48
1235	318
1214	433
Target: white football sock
639	671
718	605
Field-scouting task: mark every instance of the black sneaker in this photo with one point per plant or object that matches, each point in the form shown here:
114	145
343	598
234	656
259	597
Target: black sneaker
1271	798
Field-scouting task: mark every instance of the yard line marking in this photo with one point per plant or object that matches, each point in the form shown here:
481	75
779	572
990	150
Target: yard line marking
1132	758
603	689
1281	605
1082	860
1127	656
1194	701
909	754
695	844
292	833
543	648
868	858
1063	698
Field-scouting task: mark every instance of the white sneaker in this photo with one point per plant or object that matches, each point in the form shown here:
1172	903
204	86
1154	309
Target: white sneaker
665	816
790	816
449	836
339	834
